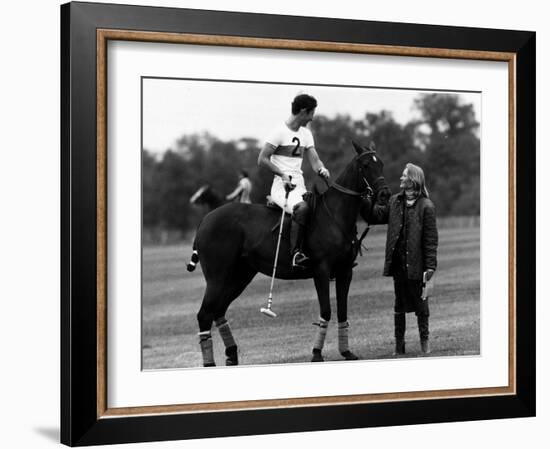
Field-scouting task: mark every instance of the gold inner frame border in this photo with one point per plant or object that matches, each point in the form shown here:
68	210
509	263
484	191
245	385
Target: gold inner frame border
105	35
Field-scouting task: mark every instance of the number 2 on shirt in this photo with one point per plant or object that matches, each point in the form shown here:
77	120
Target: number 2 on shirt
296	150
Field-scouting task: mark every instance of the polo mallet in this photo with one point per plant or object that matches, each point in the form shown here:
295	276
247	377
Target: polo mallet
267	310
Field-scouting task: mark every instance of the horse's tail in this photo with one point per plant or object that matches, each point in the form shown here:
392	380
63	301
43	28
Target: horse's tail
195	255
194	260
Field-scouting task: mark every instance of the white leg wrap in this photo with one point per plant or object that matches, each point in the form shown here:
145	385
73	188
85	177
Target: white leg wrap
207	348
225	332
343	336
321	334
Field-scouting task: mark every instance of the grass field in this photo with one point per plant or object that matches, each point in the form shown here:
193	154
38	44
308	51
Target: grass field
172	297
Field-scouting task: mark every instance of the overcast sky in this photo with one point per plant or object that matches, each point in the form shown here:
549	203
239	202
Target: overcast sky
231	110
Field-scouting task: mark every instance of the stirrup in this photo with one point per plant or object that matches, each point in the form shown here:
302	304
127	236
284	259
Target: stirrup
299	259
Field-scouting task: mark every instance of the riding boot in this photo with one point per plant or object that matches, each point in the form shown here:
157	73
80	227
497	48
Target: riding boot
400	324
297	233
300	213
423	330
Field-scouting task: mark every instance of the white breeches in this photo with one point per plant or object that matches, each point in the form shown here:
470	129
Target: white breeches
294	197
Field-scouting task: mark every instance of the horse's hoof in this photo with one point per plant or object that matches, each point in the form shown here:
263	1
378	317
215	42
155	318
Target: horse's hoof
207	365
232	357
348	355
317	356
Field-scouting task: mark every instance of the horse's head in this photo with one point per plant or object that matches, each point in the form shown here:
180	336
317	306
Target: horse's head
199	197
371	169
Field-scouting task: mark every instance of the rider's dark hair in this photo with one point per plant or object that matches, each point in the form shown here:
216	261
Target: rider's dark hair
303	101
244	173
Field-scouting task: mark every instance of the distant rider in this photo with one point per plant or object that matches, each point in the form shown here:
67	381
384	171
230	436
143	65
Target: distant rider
243	189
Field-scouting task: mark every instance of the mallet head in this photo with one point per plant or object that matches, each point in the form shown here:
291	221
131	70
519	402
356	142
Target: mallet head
268	312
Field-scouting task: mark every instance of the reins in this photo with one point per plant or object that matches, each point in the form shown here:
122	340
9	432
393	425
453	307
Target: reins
365	195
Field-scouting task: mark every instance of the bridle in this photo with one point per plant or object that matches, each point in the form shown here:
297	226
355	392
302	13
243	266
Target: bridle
366	194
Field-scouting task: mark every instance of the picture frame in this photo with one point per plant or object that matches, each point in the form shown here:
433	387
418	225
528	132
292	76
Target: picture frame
86	29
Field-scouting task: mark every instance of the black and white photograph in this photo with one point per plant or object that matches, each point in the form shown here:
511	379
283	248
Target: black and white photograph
166	207
301	223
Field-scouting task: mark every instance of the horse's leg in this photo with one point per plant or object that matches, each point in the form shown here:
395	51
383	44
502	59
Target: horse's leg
321	276
238	283
343	281
205	318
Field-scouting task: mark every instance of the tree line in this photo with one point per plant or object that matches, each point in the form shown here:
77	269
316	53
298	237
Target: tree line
443	140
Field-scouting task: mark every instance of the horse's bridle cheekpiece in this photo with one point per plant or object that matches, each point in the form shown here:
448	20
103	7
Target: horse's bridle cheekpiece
369	192
366	195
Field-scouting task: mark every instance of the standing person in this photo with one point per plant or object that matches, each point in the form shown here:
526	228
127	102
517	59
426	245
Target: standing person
243	189
282	154
411	251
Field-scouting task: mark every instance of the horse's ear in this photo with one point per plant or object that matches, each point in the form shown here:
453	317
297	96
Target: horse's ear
358	148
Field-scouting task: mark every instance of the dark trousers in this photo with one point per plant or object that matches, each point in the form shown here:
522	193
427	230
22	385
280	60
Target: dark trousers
408	294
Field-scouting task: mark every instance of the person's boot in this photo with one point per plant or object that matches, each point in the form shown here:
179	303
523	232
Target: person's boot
424	331
297	233
425	346
399	324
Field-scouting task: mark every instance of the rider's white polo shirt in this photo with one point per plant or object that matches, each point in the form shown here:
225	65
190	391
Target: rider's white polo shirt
289	153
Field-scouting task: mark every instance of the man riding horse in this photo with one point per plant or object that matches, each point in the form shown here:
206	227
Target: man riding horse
236	241
282	155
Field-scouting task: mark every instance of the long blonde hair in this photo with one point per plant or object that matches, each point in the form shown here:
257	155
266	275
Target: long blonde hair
416	175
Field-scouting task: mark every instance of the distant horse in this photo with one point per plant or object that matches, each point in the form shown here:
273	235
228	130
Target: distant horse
236	241
208	196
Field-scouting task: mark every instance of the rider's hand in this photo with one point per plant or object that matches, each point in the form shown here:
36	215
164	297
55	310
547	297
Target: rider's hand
288	181
323	173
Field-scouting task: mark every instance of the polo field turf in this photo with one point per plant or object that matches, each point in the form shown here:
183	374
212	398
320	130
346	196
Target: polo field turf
172	298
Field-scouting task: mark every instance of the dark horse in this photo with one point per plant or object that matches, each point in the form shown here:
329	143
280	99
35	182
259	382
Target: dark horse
208	196
236	241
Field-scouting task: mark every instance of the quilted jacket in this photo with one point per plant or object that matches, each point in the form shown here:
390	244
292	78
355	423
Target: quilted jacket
421	238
